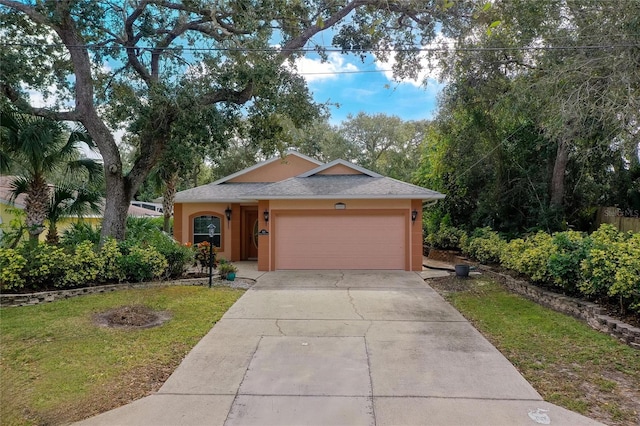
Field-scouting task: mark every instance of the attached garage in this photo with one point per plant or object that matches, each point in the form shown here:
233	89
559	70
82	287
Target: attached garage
293	212
341	240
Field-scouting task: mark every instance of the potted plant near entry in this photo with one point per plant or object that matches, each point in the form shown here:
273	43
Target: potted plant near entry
227	271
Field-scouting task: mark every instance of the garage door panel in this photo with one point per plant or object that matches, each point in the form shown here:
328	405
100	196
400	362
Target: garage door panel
340	242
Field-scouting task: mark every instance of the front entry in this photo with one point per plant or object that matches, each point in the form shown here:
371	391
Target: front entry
250	235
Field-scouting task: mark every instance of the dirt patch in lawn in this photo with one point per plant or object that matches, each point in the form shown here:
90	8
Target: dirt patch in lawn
136	316
140	382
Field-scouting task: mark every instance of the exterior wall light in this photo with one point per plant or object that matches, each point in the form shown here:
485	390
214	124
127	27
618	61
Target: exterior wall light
266	216
340	206
414	215
227	213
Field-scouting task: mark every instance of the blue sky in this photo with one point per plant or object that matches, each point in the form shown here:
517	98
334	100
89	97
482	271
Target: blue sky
367	87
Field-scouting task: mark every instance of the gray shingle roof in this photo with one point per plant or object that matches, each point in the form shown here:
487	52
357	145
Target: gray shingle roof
312	187
342	186
223	192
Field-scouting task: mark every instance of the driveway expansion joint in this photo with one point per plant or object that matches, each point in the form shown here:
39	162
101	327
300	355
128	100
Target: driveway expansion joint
244	376
353	304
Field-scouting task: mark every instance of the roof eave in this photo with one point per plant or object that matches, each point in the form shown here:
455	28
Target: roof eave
353	197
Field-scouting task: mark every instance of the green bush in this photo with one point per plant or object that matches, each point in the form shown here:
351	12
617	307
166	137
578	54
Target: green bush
627	279
46	265
564	262
484	245
12	264
84	266
446	238
178	256
79	232
599	268
612	267
530	256
109	262
142	264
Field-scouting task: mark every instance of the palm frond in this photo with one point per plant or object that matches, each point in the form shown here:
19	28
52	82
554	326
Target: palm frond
19	185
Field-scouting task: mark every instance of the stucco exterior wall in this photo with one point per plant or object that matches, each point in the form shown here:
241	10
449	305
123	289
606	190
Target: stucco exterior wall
278	170
183	223
339	169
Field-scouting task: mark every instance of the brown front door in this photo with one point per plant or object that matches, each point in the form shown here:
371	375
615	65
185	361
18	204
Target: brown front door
250	235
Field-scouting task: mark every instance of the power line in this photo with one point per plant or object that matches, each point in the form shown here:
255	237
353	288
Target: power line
329	49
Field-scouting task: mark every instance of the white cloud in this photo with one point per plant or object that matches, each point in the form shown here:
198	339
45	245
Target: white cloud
431	71
316	70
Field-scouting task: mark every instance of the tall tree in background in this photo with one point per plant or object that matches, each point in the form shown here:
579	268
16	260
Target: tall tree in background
548	93
102	56
385	144
42	153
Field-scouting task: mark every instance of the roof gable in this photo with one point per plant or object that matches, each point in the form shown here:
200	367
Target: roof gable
273	170
339	167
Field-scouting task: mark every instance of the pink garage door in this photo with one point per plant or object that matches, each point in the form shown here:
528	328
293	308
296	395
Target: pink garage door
340	242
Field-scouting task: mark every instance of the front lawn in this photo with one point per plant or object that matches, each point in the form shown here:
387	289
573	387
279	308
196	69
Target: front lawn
58	365
565	360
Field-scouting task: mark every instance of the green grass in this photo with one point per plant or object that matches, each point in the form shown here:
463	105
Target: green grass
568	362
58	366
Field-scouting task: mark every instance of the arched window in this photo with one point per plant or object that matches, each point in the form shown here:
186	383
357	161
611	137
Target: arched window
201	229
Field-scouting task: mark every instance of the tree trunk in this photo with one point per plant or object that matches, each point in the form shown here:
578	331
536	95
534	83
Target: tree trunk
168	200
35	206
559	170
52	234
116	207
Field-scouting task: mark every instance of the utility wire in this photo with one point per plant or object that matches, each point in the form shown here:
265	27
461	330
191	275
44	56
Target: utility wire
332	49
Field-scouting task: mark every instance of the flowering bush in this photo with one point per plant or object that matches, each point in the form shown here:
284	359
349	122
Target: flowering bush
202	255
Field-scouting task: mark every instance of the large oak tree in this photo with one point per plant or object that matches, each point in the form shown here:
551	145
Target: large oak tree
115	60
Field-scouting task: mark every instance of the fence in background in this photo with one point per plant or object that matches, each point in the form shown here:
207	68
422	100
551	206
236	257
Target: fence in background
624	220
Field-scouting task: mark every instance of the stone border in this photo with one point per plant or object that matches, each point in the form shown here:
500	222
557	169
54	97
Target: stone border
592	314
29	299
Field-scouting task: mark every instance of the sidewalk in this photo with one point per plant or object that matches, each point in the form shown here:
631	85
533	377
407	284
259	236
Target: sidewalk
343	348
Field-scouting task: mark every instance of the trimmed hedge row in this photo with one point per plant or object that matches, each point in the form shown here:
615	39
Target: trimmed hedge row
39	266
602	266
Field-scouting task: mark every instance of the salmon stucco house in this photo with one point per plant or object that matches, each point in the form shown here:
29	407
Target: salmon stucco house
294	212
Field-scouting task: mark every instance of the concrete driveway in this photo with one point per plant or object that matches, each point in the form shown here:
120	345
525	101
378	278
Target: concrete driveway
342	348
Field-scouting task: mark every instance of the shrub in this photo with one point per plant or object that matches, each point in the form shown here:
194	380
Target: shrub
626	285
47	265
564	263
142	264
446	238
79	232
530	256
612	267
84	266
11	265
178	257
141	229
484	245
109	261
599	267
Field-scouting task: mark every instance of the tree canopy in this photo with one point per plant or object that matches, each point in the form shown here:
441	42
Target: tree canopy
539	120
152	61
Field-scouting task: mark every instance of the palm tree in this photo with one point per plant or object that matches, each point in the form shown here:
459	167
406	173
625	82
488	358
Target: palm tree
69	201
38	151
